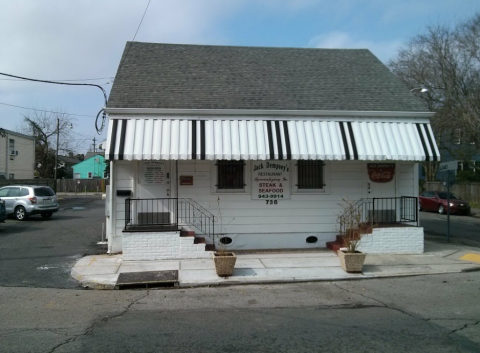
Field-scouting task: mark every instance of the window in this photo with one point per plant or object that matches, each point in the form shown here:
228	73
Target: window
4	192
90	175
11	176
230	175
11	144
44	192
310	175
14	192
24	192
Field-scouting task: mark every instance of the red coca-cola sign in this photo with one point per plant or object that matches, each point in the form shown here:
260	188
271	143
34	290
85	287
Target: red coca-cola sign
381	172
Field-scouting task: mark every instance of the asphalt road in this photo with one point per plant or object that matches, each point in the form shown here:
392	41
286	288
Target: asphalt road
463	229
41	252
438	313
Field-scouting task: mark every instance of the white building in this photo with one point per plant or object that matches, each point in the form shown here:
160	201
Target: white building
258	147
17	155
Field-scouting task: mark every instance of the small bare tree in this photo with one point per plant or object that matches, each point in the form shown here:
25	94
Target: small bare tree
43	125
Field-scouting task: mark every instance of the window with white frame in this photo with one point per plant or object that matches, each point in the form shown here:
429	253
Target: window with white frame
230	176
11	147
90	175
310	176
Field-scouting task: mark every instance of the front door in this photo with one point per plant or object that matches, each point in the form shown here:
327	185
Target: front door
380	187
155	207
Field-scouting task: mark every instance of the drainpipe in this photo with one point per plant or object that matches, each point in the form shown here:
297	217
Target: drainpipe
176	179
112	210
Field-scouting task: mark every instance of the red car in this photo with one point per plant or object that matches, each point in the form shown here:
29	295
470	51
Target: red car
437	201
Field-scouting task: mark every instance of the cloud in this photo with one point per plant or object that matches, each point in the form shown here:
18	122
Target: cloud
343	40
78	39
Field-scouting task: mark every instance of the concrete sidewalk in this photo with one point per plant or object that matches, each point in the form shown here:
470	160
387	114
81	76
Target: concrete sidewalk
102	271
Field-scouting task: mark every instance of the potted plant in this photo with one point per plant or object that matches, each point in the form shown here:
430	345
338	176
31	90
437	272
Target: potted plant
352	228
224	260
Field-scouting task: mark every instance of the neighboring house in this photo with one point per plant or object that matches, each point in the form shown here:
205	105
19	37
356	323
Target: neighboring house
17	155
255	148
91	168
66	163
91	154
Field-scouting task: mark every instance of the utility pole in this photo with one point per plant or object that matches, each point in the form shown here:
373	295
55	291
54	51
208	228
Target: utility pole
94	144
56	157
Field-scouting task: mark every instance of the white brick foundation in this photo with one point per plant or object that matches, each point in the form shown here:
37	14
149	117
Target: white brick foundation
161	246
406	240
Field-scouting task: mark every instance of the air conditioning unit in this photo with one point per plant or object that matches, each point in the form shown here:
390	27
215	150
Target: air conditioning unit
13	153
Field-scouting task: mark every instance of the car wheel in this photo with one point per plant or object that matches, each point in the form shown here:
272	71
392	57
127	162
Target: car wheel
20	213
441	209
46	214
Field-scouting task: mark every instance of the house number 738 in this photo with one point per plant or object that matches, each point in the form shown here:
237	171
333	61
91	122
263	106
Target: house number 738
271	202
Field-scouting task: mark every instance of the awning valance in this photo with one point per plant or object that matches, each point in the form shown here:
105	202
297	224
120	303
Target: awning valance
182	139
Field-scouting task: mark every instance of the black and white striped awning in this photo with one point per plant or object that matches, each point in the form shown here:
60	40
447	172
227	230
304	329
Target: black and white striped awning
182	139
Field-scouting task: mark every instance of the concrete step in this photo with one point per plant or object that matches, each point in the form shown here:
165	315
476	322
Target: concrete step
334	245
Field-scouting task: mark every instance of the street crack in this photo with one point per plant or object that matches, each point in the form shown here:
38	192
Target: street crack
90	329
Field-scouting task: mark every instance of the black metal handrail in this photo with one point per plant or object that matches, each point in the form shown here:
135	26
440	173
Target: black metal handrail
168	213
196	215
403	209
150	212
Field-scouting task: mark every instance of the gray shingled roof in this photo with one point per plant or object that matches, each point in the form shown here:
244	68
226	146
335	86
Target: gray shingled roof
221	77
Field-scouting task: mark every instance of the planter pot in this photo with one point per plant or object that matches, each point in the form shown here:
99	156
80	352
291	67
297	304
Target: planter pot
351	262
224	263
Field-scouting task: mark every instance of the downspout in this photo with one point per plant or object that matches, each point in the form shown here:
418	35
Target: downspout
176	179
112	209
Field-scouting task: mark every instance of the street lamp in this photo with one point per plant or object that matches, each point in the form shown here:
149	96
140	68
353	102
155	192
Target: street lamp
421	89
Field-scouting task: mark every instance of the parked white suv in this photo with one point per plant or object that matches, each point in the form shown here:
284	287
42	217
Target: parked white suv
22	201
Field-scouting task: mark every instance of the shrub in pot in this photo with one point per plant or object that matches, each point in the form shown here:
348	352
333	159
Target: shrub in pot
352	227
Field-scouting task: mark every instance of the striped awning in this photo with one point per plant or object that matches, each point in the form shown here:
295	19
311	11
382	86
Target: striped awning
182	139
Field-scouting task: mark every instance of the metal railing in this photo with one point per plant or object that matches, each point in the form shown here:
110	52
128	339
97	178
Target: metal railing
150	212
403	209
191	213
168	213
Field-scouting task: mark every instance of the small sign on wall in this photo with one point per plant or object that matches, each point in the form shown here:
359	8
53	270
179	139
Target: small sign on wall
270	180
186	179
154	172
381	172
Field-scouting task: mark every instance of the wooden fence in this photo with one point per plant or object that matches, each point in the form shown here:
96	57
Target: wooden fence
81	185
466	191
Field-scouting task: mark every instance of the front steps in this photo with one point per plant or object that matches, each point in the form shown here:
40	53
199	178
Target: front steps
336	244
186	232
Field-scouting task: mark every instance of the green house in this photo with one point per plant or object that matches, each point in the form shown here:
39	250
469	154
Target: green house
91	168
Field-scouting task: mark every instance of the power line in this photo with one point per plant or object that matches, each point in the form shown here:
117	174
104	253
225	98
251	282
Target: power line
66	80
135	36
99	130
46	111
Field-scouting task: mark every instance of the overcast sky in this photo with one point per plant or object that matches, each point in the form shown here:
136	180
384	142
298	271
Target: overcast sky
84	39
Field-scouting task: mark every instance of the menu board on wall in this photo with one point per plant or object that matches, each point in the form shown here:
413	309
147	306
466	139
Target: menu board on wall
154	172
270	180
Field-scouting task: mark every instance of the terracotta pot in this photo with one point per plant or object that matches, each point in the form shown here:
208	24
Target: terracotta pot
351	262
224	263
